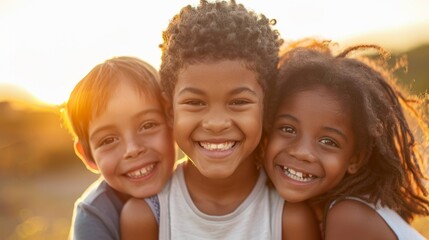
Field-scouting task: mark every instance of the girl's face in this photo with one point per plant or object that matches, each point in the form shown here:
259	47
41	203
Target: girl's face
218	116
311	146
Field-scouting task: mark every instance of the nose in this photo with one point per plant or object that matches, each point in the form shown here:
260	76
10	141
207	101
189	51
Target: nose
217	121
302	150
133	148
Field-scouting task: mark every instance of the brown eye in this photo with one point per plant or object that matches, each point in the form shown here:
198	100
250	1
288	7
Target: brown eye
287	129
239	102
195	103
107	141
329	142
148	126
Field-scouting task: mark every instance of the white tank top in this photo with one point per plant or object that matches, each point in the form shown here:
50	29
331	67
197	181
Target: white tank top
399	226
259	217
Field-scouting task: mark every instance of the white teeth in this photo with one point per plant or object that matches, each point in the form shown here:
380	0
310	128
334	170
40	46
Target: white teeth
141	172
298	176
217	146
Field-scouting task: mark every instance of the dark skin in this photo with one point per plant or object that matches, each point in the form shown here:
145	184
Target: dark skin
144	221
353	220
220	197
299	222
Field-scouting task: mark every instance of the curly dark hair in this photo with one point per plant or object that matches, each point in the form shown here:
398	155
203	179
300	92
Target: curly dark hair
392	172
221	30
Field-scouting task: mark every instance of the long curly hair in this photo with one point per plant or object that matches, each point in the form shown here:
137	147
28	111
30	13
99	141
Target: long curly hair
221	30
392	172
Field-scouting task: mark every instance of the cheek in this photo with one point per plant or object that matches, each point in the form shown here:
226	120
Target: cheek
254	129
181	120
107	159
336	169
274	146
105	166
252	121
163	142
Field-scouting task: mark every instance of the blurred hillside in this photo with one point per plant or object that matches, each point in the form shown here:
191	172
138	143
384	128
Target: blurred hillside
32	139
417	76
40	176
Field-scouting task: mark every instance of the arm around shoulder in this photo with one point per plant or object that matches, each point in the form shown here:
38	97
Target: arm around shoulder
299	222
138	221
349	219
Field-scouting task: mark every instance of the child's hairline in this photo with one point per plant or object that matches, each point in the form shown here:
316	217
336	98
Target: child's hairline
144	85
247	63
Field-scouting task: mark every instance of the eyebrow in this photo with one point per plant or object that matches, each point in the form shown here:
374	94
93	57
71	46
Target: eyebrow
337	131
191	90
287	116
110	126
243	89
232	92
329	129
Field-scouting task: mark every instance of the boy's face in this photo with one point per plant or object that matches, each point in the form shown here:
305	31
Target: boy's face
217	115
132	144
311	145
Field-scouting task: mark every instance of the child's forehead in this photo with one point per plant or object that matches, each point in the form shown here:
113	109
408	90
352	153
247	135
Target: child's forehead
102	101
219	62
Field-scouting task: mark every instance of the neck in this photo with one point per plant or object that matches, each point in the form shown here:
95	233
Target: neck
319	209
220	196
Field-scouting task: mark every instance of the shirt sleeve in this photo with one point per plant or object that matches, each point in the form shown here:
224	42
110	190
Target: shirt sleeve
153	203
89	223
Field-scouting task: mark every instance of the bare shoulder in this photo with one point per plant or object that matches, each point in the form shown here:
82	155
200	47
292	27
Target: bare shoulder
134	205
137	220
350	219
299	222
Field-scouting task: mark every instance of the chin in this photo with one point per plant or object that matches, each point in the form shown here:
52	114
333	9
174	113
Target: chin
216	174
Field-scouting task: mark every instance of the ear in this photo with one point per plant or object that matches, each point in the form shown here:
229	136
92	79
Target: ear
168	105
356	162
80	152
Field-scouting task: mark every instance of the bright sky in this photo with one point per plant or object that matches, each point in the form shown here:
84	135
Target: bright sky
47	46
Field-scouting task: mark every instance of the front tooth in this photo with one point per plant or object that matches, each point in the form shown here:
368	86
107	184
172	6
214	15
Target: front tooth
299	176
220	146
141	172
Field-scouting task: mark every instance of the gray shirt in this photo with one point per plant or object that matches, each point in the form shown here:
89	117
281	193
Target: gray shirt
96	213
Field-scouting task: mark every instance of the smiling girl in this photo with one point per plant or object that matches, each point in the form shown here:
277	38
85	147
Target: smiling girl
339	138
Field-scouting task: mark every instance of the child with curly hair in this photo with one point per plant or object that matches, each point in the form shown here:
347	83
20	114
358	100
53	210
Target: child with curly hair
339	138
218	61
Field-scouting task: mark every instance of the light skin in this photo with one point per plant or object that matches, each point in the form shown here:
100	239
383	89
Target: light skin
131	144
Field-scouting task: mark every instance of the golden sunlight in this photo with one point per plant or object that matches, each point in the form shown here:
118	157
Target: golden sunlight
47	46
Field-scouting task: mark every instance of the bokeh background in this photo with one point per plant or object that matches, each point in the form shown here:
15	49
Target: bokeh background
47	46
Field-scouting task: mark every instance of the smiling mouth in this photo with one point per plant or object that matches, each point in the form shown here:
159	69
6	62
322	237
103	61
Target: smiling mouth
217	146
298	176
142	172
